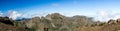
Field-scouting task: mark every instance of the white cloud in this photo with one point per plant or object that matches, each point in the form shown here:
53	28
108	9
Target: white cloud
13	14
36	15
105	16
1	13
103	13
115	16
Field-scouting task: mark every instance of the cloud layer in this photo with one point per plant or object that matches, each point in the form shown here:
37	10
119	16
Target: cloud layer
1	14
104	16
13	14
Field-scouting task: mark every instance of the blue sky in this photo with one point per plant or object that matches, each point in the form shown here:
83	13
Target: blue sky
99	9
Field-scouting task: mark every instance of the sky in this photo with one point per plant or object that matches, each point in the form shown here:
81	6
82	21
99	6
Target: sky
102	10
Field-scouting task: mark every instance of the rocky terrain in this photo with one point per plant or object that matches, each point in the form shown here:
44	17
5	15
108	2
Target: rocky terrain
58	22
7	24
111	25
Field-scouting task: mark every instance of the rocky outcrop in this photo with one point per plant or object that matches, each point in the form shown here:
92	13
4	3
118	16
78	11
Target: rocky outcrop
111	21
54	22
6	27
6	20
33	22
7	24
57	21
111	25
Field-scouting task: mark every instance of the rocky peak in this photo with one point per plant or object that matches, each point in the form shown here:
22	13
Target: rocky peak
32	22
111	21
54	15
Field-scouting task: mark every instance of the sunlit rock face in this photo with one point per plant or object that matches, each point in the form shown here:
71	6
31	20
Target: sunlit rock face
56	18
31	23
36	23
118	20
82	20
111	21
40	26
58	22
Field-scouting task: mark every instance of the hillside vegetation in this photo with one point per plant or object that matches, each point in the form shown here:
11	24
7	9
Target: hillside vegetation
58	22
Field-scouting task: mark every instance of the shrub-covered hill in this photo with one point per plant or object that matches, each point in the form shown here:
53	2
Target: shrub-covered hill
7	24
5	27
58	22
111	25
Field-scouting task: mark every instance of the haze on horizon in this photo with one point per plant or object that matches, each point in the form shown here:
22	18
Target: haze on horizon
102	10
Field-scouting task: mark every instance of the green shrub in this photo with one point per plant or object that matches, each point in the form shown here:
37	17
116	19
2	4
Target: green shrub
64	29
32	29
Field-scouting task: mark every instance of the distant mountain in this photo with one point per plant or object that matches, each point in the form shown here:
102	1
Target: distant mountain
22	19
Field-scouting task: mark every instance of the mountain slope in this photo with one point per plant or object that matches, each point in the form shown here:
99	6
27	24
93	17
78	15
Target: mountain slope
112	25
